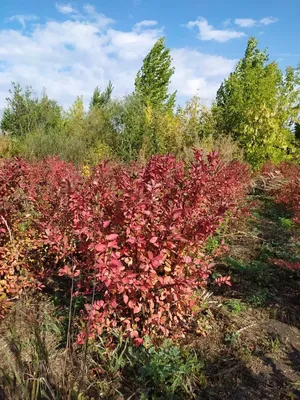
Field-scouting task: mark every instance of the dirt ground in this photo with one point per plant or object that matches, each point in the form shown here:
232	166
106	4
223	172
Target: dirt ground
254	352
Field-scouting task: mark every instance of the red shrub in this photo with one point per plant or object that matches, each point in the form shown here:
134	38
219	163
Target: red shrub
287	191
131	237
30	196
293	266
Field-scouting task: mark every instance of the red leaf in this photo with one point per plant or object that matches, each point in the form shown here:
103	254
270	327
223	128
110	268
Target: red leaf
100	247
116	262
65	271
137	309
138	342
125	298
111	237
176	215
131	304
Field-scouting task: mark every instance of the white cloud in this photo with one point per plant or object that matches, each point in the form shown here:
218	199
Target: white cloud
22	19
89	8
65	8
100	19
245	22
207	31
199	72
227	22
72	57
249	22
131	45
144	24
268	20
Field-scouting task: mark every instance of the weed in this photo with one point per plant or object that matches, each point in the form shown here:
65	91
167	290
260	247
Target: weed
259	299
212	244
255	270
286	223
234	264
232	338
274	344
236	306
168	371
247	352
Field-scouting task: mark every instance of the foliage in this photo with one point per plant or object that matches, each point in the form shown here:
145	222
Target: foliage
128	118
225	145
255	117
101	99
287	192
286	223
257	103
83	138
236	306
21	242
25	113
162	134
127	236
297	131
293	266
168	372
6	145
153	79
196	122
232	338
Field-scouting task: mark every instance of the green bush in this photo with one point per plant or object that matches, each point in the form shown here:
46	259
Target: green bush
168	372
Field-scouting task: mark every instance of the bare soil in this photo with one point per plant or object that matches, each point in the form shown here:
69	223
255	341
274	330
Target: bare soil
254	352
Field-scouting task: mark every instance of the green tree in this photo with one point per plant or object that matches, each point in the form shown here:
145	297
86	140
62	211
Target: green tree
162	134
99	98
196	121
25	113
258	104
153	79
128	118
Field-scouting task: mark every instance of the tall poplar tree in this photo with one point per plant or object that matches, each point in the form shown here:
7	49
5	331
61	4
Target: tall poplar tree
153	79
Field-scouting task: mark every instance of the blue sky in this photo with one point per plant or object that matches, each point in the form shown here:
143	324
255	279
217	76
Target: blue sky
71	47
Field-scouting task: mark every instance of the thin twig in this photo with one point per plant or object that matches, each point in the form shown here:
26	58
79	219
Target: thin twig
246	327
8	228
240	233
69	327
86	342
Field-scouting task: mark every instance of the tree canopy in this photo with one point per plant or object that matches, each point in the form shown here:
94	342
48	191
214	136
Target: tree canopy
255	117
99	98
258	104
153	79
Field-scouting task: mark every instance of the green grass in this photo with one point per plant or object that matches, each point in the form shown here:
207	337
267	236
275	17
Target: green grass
236	306
286	223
